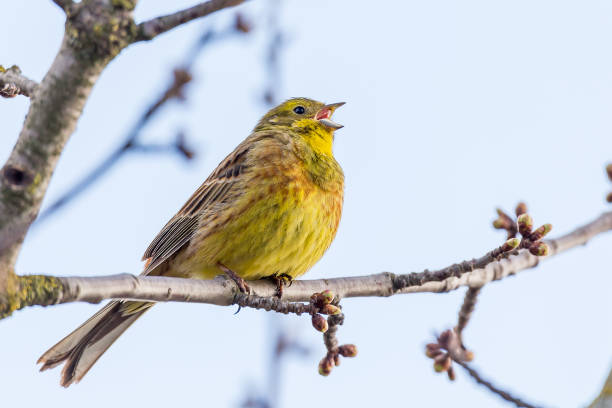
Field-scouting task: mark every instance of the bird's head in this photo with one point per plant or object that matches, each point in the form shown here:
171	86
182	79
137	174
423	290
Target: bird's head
301	115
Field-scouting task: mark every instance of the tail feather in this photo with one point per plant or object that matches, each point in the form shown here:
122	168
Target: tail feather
82	348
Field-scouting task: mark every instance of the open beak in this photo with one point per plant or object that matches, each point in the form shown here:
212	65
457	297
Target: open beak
325	113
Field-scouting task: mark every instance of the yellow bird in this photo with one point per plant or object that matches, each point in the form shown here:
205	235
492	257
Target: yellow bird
270	209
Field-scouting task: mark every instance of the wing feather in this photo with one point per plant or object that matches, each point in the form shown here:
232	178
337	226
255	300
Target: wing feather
181	228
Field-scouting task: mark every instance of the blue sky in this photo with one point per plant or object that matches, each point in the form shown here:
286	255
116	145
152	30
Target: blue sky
453	109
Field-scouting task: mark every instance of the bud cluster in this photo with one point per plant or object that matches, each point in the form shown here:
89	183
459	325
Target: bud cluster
447	349
322	304
332	358
531	240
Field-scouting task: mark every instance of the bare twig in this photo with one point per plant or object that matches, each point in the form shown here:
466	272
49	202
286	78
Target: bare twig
49	290
12	83
174	90
469	302
150	29
503	394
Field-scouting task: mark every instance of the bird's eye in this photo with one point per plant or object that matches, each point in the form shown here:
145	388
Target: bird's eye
299	110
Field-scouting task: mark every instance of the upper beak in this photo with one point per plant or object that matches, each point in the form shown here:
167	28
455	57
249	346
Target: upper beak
325	113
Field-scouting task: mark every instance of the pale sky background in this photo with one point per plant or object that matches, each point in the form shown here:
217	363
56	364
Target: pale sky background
453	108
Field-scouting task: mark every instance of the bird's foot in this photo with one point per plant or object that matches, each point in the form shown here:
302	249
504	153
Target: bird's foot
241	283
281	281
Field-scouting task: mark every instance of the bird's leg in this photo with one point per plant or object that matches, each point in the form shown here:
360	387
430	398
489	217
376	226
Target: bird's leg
280	281
241	283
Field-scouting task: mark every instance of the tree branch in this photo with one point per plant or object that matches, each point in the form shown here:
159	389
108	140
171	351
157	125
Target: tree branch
64	4
12	83
503	394
46	290
148	30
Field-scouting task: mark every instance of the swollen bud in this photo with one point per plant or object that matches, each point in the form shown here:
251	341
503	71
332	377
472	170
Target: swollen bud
319	323
468	356
510	244
451	374
539	249
525	224
442	363
325	366
347	350
540	232
521	208
432	350
327	296
330	310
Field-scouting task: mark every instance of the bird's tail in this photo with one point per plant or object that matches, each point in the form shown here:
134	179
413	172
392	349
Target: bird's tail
82	348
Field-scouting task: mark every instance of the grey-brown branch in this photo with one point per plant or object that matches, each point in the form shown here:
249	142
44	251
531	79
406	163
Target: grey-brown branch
48	290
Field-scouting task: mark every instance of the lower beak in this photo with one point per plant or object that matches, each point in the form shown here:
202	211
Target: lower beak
325	113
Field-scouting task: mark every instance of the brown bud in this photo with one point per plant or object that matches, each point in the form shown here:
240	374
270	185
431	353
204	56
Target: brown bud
442	363
347	350
525	224
539	248
432	350
451	374
241	24
609	171
444	338
501	223
330	310
325	366
521	208
336	360
609	197
319	323
510	244
540	232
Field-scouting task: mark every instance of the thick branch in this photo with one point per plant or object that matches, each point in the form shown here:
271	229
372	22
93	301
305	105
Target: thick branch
221	291
150	29
12	83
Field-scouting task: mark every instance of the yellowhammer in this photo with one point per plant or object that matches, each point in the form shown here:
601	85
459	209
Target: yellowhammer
270	209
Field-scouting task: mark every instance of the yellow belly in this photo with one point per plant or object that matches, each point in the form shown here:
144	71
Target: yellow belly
285	231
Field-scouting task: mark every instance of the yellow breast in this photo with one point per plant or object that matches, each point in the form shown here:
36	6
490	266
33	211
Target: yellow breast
283	224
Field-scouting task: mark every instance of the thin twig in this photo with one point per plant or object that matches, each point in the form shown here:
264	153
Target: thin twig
503	394
150	29
12	83
52	290
469	302
175	90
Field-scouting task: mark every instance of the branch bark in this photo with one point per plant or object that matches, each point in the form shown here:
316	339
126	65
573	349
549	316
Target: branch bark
150	29
12	83
48	290
64	4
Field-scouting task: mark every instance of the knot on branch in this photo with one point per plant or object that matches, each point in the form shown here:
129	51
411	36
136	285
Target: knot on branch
16	177
447	349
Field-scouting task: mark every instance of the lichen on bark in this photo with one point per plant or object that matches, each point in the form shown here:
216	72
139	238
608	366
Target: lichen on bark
22	291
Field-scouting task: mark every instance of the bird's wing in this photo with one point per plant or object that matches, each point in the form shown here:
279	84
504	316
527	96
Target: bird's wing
212	193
